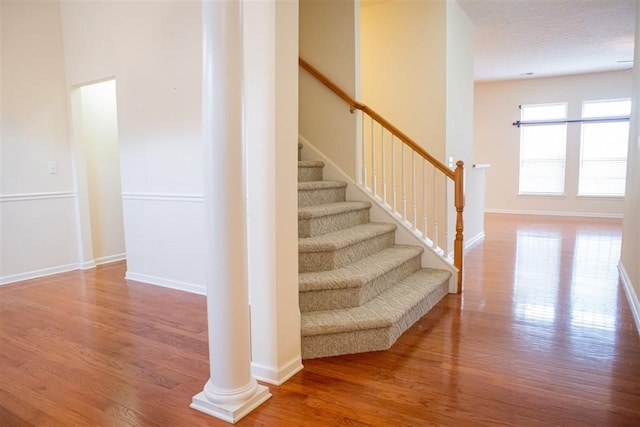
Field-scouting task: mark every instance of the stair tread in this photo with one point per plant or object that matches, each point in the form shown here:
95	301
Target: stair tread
310	164
360	272
382	311
317	211
344	238
315	185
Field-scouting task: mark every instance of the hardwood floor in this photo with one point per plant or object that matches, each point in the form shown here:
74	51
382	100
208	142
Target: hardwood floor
543	335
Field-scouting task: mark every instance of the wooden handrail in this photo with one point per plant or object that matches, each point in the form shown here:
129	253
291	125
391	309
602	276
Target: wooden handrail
456	176
355	105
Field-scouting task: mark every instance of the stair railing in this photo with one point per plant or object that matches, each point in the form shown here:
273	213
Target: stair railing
388	156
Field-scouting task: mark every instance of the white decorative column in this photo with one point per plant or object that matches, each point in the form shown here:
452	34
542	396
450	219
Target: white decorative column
231	392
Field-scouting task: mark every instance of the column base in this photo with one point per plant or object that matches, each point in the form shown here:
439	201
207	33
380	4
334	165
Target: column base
230	413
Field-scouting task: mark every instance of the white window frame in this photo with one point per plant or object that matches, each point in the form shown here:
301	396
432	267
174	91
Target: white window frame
581	192
523	130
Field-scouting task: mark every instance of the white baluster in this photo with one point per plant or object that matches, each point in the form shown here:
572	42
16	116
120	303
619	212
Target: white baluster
393	173
414	206
374	178
364	153
404	191
435	211
424	198
384	172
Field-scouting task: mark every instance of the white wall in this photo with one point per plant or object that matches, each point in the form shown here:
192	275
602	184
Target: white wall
497	140
37	230
417	71
403	68
154	51
630	257
459	121
329	42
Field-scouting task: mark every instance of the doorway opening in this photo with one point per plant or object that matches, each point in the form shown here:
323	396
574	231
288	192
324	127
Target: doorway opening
97	155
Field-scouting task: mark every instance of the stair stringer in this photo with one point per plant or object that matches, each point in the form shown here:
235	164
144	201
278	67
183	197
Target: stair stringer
404	234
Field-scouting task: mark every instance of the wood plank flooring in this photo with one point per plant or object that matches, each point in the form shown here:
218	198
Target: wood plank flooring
543	335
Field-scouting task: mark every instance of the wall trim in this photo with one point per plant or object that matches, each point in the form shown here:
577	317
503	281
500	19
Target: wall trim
556	213
275	376
167	283
27	197
164	197
110	258
632	296
468	243
13	278
87	265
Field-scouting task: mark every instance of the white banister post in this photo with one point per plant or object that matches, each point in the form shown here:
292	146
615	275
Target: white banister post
231	392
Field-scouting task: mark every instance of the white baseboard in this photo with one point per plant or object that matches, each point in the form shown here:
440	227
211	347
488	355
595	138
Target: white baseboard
110	258
277	376
555	213
632	296
87	265
13	278
167	283
468	243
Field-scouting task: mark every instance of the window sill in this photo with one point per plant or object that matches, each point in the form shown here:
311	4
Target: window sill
612	198
542	196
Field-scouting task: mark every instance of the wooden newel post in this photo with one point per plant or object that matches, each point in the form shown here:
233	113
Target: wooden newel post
458	247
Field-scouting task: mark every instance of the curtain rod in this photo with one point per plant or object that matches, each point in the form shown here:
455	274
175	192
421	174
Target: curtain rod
556	122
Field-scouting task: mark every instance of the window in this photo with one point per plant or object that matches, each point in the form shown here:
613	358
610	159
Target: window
543	150
603	151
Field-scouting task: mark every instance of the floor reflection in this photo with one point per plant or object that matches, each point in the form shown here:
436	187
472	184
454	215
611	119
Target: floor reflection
567	276
537	275
593	302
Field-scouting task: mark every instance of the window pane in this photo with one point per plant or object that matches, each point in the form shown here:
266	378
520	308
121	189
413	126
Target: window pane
544	112
610	108
544	142
542	177
542	150
603	153
605	140
602	177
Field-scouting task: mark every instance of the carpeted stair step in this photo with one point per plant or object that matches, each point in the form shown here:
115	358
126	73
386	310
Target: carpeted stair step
339	248
377	324
321	219
310	171
357	283
320	192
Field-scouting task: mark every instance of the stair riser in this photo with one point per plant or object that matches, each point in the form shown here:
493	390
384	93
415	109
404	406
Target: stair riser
327	224
345	343
329	260
306	174
419	310
320	196
331	299
328	299
360	341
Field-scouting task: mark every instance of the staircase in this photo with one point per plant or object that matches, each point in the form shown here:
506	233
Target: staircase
358	291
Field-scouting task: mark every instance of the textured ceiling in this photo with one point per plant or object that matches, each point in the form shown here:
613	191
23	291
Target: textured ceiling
550	37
